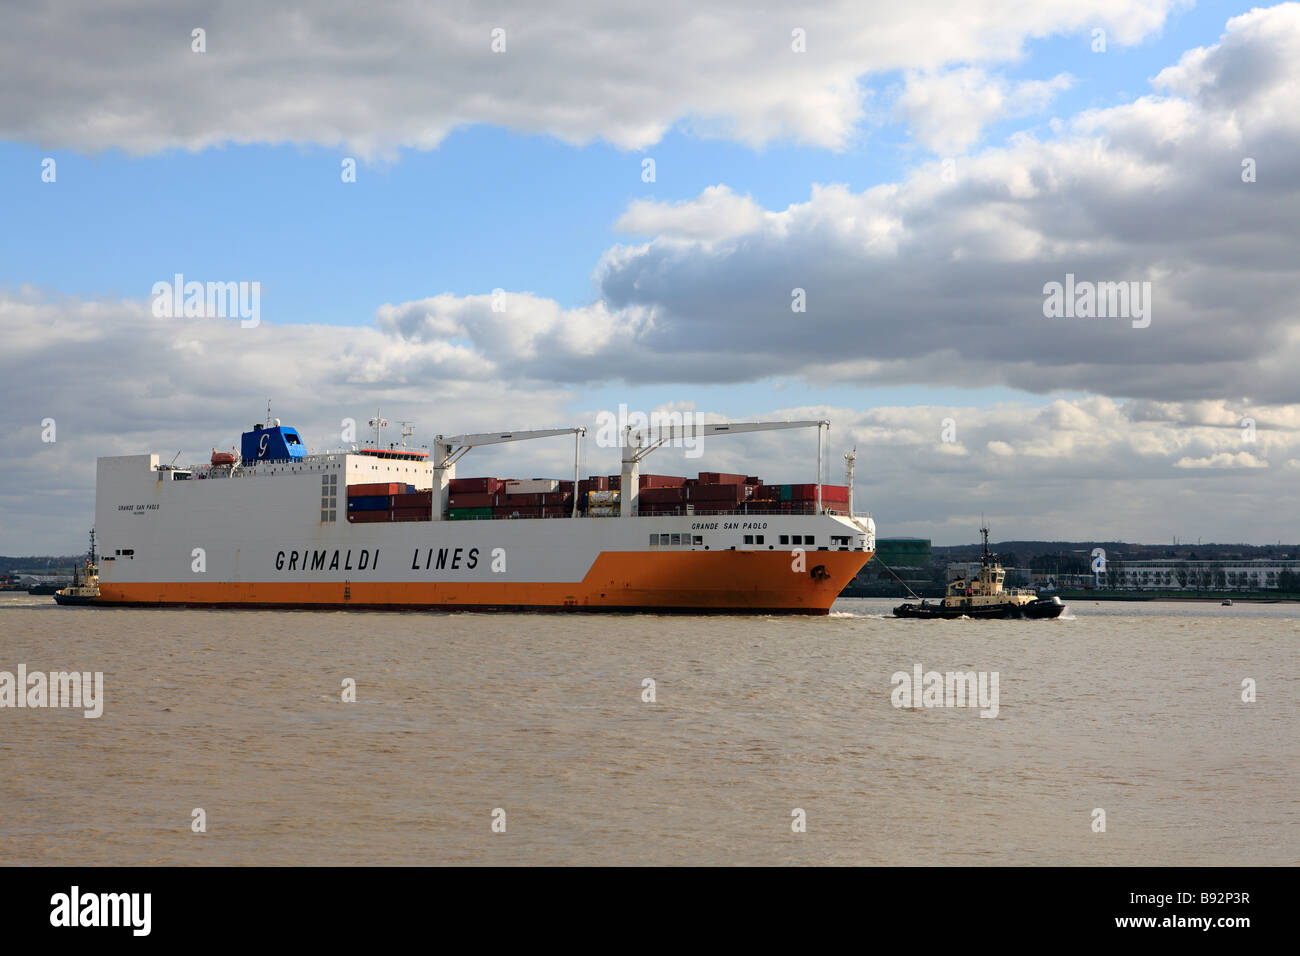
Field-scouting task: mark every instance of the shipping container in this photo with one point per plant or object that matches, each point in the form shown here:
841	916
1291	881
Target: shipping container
660	481
481	486
468	514
557	498
655	495
517	511
416	499
719	492
602	497
522	500
836	493
370	517
720	478
369	503
471	500
530	486
597	483
411	514
377	488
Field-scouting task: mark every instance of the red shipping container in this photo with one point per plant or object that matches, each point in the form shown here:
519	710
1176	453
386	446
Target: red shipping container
481	486
597	483
835	493
660	481
378	488
369	517
468	500
720	478
415	499
661	495
411	514
522	511
557	498
525	501
724	492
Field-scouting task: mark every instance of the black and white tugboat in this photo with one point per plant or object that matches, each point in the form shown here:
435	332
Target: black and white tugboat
85	586
984	597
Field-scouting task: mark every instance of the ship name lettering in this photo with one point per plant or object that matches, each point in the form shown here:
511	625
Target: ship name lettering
288	560
704	526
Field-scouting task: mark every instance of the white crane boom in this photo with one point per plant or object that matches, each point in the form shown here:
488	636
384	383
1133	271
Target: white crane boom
629	484
496	438
449	449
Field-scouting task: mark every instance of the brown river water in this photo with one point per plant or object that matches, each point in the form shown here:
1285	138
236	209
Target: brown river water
1135	709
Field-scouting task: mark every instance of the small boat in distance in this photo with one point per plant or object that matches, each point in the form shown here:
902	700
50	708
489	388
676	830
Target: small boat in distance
984	597
1226	603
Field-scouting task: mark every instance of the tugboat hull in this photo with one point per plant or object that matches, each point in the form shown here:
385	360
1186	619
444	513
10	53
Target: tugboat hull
1042	609
75	599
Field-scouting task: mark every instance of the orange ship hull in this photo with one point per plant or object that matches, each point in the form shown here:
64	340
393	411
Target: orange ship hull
692	582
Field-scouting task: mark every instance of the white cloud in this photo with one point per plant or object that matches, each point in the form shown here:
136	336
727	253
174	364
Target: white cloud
948	109
403	75
715	214
1242	459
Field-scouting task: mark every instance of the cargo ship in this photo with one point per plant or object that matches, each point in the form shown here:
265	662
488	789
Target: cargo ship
392	527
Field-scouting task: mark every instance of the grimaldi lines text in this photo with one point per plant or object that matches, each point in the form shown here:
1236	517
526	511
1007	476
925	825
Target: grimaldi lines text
395	528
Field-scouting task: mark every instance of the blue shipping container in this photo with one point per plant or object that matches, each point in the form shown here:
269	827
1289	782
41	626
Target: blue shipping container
368	503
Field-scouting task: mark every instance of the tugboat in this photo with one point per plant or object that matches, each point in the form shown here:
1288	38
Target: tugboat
984	597
85	587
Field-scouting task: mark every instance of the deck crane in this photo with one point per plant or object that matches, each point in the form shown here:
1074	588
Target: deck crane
637	445
449	449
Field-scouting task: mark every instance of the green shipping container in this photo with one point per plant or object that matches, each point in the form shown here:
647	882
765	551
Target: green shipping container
464	514
787	492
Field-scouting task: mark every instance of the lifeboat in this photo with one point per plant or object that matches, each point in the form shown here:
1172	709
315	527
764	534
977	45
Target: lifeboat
224	458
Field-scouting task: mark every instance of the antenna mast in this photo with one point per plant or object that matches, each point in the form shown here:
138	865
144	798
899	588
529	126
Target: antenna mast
378	424
850	459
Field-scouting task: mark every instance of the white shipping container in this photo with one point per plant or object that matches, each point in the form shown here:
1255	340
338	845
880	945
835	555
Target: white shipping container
531	486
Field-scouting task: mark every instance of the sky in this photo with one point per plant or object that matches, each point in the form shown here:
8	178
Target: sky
493	216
